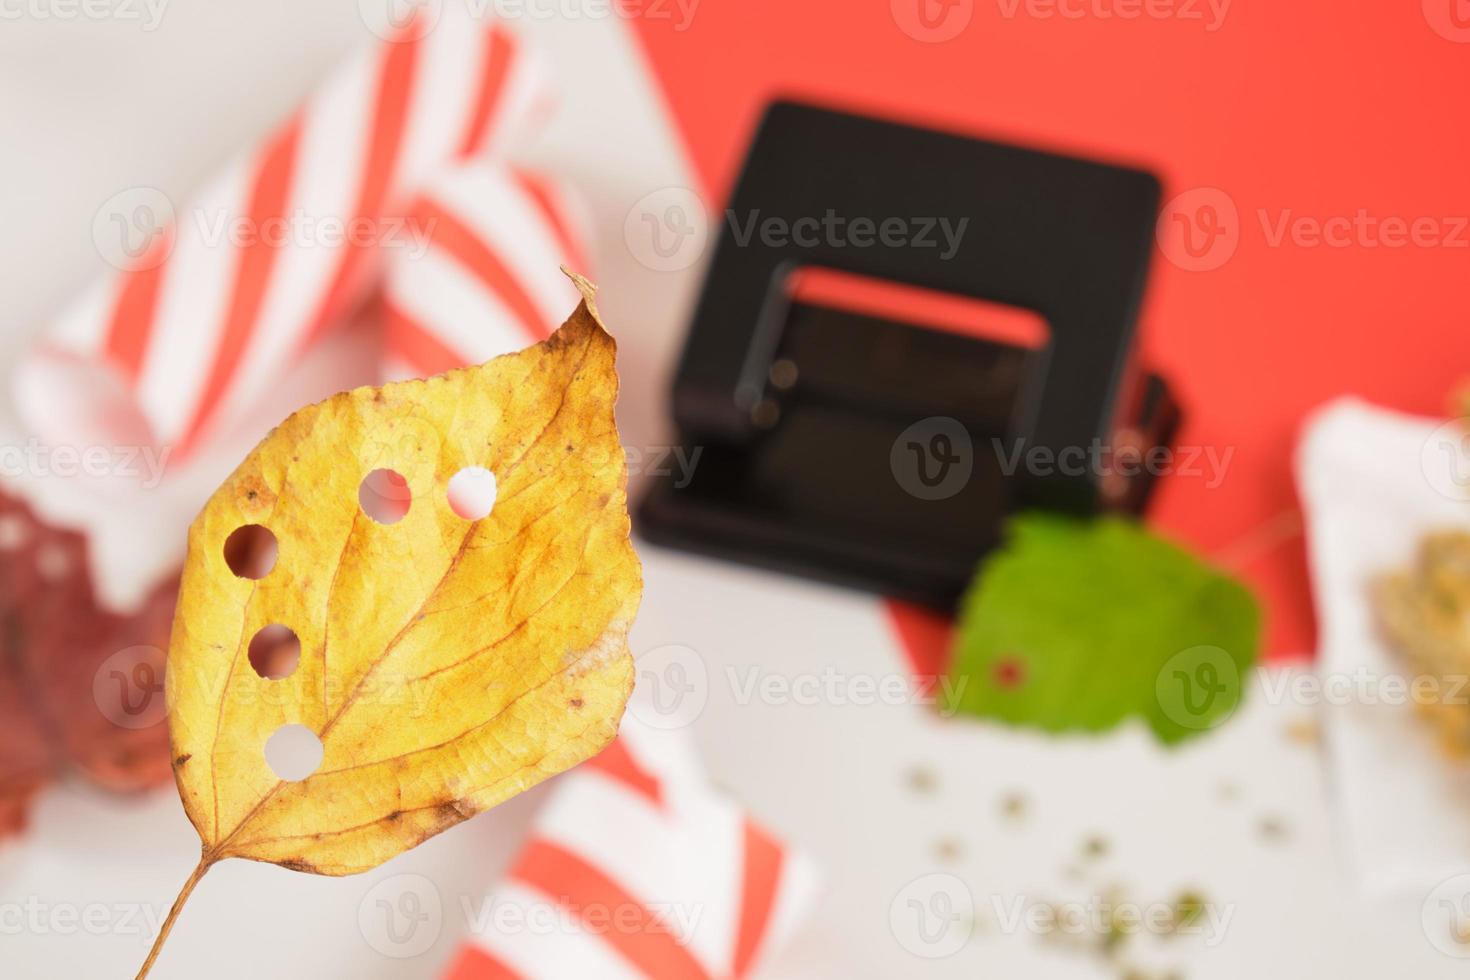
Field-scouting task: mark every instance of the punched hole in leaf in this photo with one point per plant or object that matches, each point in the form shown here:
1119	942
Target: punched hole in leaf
293	752
472	492
250	551
275	651
384	495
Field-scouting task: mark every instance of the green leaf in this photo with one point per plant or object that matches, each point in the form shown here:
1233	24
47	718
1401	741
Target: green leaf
1076	625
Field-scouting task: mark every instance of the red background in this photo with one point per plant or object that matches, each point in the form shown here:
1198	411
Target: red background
1310	107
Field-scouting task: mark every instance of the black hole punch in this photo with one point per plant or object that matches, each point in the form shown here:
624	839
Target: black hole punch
869	413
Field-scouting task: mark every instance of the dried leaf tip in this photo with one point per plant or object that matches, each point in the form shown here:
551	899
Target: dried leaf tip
588	289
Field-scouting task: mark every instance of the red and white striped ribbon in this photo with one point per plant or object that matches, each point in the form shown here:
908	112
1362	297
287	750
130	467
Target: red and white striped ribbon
179	345
488	281
637	868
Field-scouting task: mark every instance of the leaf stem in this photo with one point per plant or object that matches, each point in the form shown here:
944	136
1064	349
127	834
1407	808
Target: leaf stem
205	863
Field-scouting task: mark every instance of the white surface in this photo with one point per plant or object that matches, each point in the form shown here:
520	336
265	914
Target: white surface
93	107
1374	482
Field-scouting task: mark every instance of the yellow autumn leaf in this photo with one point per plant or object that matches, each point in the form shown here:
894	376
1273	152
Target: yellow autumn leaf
445	664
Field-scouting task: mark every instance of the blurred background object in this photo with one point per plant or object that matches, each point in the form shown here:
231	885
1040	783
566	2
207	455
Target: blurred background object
880	449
